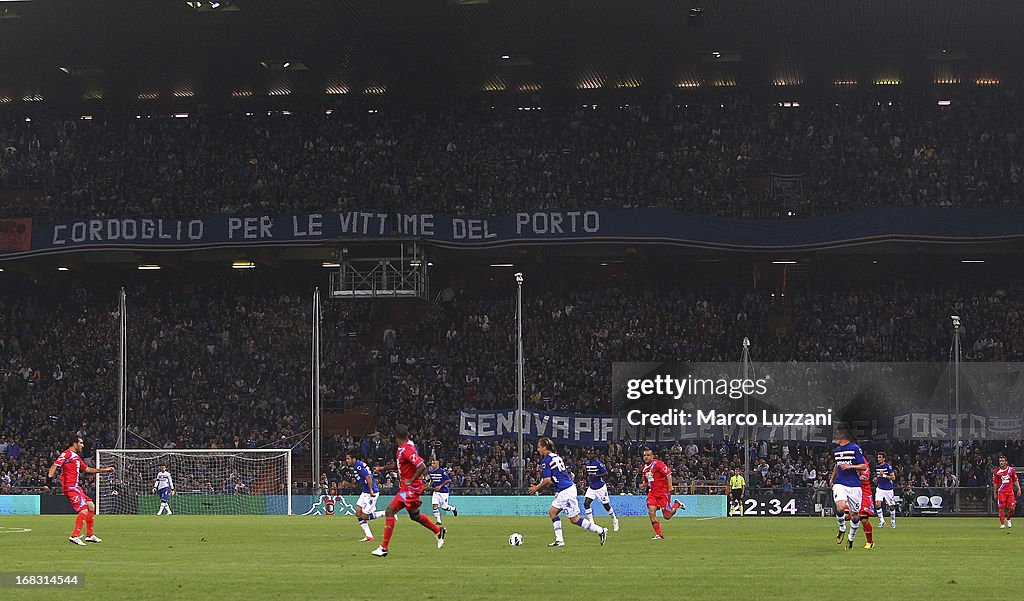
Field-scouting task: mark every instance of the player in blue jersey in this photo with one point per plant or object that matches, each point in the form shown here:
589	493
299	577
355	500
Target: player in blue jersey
884	478
566	497
846	484
366	505
597	488
440	480
164	485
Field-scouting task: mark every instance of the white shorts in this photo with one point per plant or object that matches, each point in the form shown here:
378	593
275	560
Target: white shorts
601	494
850	494
367	502
439	499
884	496
567	501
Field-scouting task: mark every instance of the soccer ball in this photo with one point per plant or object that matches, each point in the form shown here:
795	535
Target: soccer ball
515	539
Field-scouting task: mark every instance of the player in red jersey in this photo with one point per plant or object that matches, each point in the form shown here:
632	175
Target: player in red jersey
411	468
658	478
1005	484
71	464
867	506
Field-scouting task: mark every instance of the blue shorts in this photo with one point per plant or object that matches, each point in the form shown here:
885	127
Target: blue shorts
165	493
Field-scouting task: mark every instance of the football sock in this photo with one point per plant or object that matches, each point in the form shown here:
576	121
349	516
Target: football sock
389	529
80	520
429	525
556	523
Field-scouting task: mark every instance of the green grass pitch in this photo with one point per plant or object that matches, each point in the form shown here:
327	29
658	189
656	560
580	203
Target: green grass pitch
279	557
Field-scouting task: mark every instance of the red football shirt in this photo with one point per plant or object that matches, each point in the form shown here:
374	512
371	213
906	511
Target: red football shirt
71	465
1003	479
865	488
656	473
408	461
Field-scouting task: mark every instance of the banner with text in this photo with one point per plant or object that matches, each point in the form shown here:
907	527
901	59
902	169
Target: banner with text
602	430
667	402
533	227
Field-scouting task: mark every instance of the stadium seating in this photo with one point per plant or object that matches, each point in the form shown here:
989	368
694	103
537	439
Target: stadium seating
715	158
205	352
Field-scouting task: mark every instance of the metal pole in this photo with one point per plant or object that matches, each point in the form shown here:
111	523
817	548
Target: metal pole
122	409
519	381
315	393
746	410
956	396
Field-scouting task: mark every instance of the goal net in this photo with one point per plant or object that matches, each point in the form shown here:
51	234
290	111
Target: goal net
205	481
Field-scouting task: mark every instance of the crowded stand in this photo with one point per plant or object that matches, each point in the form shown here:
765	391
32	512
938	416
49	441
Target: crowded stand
706	157
224	364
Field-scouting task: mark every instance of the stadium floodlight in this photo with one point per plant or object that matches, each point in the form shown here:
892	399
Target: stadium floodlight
209	6
283	64
149	267
243	265
956	320
696	17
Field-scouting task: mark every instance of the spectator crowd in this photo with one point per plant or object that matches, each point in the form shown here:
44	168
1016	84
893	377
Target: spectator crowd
710	157
220	363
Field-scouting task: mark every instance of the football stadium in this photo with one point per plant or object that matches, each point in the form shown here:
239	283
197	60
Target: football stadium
502	299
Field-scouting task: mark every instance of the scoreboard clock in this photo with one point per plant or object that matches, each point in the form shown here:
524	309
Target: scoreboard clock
769	504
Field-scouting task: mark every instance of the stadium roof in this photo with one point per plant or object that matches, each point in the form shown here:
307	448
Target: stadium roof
127	50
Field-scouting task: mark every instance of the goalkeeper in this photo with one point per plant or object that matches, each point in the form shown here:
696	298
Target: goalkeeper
164	484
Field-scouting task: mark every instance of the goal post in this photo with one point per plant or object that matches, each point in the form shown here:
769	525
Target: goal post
206	481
